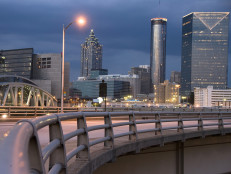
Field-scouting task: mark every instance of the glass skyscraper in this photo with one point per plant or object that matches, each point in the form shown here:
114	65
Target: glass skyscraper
204	51
158	50
91	55
16	62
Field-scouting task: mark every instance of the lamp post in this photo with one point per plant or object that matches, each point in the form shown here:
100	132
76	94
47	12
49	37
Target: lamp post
80	21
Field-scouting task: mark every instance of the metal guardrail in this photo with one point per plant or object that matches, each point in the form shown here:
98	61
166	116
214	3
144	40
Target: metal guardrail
21	151
25	111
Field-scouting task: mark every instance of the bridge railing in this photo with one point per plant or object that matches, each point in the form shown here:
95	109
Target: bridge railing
21	151
32	111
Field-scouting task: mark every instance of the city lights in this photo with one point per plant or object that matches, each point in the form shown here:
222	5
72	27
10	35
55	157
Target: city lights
4	116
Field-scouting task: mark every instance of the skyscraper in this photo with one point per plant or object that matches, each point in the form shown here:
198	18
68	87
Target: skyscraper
158	50
204	50
91	55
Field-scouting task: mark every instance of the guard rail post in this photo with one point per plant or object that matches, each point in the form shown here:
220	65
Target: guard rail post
35	112
108	131
180	128
58	156
200	123
158	125
83	139
9	112
221	124
132	127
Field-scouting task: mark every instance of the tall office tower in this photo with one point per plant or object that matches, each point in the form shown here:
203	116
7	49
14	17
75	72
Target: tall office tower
16	62
158	50
91	55
204	60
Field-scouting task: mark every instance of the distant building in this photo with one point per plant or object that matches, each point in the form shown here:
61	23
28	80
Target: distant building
89	89
133	80
204	59
166	93
43	69
175	77
143	71
95	73
209	97
48	67
91	55
158	50
16	62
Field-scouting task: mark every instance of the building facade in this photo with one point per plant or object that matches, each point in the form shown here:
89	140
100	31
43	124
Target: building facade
166	93
16	62
143	71
48	67
133	80
89	89
95	73
175	77
204	59
91	55
158	50
209	97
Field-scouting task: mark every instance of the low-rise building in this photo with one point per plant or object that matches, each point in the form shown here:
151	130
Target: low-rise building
134	80
209	97
89	89
166	93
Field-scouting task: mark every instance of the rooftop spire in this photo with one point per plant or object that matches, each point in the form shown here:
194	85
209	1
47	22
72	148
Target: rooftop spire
92	32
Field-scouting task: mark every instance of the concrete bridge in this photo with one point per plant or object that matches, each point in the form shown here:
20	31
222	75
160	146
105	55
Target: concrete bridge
150	142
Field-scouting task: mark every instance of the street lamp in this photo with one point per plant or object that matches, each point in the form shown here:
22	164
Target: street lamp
81	22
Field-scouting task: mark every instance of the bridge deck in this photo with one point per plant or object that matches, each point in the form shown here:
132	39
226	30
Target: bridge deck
99	153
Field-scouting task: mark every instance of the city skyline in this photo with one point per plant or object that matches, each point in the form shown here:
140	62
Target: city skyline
124	34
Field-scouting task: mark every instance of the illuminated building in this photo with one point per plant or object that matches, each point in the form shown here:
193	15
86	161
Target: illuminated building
158	50
166	93
204	51
209	97
91	55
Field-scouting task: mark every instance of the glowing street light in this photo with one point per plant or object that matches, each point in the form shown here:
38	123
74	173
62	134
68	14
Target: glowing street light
81	21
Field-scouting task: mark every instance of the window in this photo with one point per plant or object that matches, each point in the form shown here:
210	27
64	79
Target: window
43	63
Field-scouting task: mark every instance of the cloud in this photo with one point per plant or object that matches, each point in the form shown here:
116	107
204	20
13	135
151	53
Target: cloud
123	27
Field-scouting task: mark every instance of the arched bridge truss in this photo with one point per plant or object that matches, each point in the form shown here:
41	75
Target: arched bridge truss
24	94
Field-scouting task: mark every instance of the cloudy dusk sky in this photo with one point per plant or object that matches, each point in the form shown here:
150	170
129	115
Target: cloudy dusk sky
122	27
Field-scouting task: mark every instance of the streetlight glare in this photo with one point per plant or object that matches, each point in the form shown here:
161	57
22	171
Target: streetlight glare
81	21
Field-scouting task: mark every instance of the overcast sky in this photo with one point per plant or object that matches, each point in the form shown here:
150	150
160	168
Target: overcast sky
122	27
